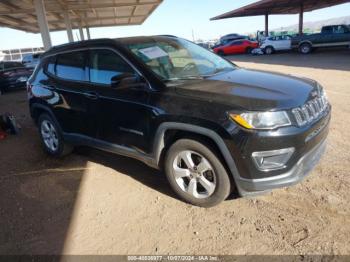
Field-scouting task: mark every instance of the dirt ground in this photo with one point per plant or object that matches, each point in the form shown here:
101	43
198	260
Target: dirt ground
97	203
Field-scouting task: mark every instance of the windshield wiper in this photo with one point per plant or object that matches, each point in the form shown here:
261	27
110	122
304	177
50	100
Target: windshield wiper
217	71
185	78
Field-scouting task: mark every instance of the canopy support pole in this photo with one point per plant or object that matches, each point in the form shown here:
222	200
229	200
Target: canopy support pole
301	19
88	33
42	22
81	32
68	27
266	24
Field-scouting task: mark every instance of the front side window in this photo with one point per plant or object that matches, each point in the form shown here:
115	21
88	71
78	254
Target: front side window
51	65
106	64
71	66
177	59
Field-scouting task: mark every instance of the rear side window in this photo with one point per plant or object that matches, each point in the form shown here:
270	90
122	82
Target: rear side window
71	66
338	29
10	65
105	64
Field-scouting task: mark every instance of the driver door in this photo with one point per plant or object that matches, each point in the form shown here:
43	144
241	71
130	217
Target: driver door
123	111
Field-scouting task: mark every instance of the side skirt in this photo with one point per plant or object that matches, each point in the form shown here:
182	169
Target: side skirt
82	140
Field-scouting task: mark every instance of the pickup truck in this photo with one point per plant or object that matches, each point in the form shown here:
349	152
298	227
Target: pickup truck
330	36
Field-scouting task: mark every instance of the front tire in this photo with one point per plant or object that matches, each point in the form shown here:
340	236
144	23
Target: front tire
51	137
248	50
269	50
221	53
196	173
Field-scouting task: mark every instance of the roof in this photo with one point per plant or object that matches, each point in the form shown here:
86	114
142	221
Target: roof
20	14
101	41
279	7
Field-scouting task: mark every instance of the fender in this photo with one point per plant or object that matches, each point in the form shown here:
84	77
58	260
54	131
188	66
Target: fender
305	41
47	110
159	145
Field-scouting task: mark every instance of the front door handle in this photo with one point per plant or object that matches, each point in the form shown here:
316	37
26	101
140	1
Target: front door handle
91	95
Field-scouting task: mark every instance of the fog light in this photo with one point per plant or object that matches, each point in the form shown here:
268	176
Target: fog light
272	160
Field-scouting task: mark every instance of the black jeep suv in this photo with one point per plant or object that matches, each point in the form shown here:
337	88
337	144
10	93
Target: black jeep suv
212	126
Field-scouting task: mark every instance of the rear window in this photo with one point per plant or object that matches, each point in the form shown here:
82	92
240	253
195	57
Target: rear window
71	66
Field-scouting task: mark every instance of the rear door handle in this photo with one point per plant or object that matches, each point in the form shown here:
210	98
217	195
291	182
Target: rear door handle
91	95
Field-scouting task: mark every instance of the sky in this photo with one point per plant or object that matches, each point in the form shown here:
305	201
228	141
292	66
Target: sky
180	18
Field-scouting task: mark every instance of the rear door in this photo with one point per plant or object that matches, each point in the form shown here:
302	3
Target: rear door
341	35
76	103
123	111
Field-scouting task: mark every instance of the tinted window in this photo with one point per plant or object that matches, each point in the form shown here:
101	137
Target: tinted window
51	65
71	66
338	29
105	64
327	30
237	43
9	65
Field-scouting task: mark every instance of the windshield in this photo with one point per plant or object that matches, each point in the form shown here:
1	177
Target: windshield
178	59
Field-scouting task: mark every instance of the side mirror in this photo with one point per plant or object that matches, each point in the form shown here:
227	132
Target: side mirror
125	79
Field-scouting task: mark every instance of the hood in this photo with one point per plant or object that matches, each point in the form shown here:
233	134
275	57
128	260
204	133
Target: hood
251	90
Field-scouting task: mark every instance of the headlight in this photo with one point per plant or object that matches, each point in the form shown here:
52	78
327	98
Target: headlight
262	120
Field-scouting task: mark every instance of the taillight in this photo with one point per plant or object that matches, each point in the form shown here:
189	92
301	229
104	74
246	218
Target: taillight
29	87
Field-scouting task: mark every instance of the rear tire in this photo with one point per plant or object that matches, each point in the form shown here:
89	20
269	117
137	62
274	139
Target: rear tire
196	173
269	50
51	137
305	48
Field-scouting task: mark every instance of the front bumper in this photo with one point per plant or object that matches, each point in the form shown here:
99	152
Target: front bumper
303	167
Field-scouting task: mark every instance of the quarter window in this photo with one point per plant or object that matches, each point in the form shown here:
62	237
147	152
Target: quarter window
71	66
105	64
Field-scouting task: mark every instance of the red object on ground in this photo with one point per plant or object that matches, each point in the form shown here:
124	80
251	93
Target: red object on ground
2	134
236	47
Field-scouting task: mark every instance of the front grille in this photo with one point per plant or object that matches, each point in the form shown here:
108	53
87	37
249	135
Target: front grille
310	111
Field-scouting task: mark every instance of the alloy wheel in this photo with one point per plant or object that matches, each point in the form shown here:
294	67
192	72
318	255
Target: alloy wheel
268	50
49	135
305	49
194	174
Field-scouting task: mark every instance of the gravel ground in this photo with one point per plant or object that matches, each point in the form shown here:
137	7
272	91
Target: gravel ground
97	203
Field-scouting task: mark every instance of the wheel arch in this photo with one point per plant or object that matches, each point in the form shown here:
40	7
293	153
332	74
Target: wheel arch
188	131
36	109
305	42
271	46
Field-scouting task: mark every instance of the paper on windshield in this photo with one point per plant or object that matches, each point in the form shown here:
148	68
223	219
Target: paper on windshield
153	52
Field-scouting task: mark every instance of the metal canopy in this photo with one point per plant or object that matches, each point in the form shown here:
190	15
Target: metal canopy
21	14
275	7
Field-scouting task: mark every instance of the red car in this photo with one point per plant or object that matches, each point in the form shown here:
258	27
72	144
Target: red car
237	47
